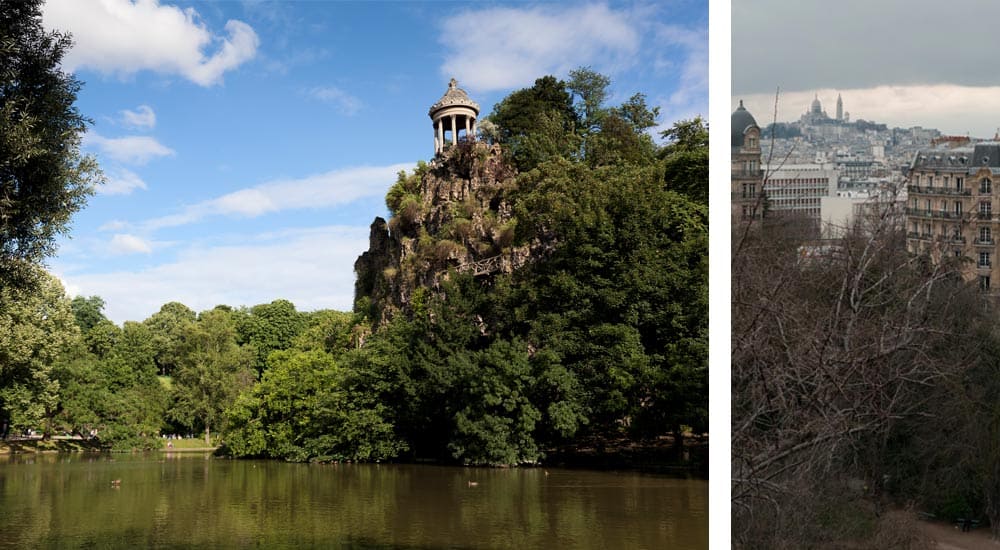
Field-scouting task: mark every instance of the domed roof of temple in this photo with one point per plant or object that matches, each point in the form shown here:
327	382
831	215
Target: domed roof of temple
454	96
741	121
817	107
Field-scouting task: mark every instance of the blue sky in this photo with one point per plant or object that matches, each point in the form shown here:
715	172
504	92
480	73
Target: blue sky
249	145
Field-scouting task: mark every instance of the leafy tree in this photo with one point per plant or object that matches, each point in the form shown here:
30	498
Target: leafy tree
622	299
211	373
618	142
591	87
328	330
103	338
304	408
43	177
267	328
36	329
87	312
113	393
495	420
537	123
134	407
135	347
685	158
84	392
639	116
169	326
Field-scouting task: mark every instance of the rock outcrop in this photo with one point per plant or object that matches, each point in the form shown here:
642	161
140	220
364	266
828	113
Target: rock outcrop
451	215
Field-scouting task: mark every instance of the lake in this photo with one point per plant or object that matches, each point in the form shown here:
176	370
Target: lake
193	500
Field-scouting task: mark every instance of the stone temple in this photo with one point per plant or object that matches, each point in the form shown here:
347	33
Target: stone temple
454	113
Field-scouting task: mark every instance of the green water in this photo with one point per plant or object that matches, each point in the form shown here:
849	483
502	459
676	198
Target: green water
194	501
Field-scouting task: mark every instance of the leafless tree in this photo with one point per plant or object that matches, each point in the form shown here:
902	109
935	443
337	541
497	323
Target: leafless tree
832	345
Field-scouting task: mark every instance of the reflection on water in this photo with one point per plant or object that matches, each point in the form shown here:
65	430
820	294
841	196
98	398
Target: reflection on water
184	500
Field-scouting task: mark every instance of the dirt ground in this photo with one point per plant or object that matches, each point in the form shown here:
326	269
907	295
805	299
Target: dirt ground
947	537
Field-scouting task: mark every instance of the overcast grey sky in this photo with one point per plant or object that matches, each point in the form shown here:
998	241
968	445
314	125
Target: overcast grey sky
904	62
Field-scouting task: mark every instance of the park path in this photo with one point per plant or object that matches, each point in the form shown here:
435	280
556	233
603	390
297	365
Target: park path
947	537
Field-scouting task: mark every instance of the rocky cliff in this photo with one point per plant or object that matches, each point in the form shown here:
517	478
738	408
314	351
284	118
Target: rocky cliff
450	215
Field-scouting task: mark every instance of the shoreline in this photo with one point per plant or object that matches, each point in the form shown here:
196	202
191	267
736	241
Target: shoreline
653	457
71	445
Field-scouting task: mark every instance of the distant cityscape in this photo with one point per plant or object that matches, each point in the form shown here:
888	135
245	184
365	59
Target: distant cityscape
830	170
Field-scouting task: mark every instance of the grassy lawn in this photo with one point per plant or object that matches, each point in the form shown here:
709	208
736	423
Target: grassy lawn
197	443
69	445
55	445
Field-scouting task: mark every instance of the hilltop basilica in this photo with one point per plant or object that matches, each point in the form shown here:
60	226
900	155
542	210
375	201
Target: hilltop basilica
816	114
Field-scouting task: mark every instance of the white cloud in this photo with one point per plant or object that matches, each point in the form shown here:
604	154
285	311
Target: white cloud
314	268
514	46
121	182
124	243
123	37
143	117
952	109
344	102
113	225
692	89
129	149
324	190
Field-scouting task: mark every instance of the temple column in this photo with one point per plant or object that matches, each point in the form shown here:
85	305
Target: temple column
439	137
454	131
467	128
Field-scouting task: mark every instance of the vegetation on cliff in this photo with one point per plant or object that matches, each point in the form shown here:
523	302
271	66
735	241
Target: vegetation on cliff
545	288
540	288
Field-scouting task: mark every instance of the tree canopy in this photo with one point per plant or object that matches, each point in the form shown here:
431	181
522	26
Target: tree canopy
43	177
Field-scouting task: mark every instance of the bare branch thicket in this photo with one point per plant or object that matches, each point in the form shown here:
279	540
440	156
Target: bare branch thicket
829	351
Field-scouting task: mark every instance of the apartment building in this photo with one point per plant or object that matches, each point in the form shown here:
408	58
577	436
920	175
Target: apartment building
952	208
746	177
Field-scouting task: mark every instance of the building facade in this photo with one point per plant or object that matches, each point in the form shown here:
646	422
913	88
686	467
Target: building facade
798	189
747	176
952	208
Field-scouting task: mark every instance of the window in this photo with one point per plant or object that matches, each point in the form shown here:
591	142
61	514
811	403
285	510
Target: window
958	208
984	259
958	184
984	282
985	208
956	232
985	234
985	186
927	205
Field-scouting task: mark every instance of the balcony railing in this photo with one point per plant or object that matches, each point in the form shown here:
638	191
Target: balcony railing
924	213
938	190
984	242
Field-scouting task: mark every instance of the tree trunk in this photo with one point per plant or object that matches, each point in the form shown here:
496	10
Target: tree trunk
678	449
208	436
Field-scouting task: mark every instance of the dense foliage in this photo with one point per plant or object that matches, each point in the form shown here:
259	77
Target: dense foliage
599	339
43	178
